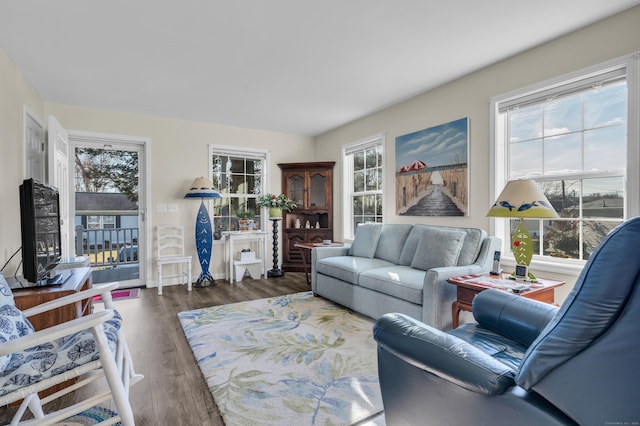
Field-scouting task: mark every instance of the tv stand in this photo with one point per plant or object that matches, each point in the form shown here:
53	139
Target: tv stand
60	277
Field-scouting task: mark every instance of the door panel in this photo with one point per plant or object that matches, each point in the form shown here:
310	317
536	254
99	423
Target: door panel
58	173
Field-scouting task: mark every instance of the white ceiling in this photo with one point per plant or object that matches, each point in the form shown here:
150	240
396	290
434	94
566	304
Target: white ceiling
293	66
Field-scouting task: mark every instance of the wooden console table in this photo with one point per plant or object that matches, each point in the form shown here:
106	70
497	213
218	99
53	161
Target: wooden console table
469	286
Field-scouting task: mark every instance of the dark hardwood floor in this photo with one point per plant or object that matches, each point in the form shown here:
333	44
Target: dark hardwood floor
173	391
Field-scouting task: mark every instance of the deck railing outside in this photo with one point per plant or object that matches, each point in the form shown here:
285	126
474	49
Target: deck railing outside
108	247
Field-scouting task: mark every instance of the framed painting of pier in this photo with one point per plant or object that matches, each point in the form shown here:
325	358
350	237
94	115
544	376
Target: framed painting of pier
431	171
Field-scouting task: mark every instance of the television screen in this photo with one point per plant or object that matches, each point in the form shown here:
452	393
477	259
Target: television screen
40	223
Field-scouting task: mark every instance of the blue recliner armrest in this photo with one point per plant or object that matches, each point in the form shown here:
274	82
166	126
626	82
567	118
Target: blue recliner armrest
441	354
515	317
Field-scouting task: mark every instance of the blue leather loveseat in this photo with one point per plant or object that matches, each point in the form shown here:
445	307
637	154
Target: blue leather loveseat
525	362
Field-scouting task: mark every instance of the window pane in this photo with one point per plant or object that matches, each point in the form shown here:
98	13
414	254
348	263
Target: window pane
562	238
358	204
564	196
358	161
606	106
562	154
593	233
605	149
369	204
525	123
371	158
372	179
379	206
237	165
563	115
257	184
379	177
603	197
358	182
525	159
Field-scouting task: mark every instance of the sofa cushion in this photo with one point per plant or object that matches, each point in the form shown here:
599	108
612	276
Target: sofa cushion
499	347
348	268
392	239
438	247
468	253
398	281
471	246
366	240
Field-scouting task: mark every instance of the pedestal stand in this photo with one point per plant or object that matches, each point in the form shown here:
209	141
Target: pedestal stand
275	272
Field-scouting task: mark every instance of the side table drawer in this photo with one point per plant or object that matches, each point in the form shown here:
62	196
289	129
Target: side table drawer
466	295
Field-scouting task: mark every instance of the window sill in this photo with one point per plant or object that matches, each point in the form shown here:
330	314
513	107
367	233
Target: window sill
566	267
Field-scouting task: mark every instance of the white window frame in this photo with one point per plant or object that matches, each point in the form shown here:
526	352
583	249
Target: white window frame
373	141
246	153
499	149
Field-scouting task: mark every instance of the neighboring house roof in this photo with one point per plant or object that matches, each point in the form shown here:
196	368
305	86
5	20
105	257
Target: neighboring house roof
103	201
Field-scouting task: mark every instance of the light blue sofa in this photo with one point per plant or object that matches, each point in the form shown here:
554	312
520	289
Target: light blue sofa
401	268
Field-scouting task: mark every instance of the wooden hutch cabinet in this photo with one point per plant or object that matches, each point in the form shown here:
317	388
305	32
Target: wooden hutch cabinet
310	186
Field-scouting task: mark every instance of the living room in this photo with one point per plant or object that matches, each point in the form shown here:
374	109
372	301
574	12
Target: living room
178	147
465	97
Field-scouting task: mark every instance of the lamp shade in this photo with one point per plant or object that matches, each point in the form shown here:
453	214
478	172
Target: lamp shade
522	199
202	188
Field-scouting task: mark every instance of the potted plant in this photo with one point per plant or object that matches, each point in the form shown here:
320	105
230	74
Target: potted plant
245	219
275	204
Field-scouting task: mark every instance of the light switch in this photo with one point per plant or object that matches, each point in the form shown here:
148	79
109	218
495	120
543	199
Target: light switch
173	208
161	208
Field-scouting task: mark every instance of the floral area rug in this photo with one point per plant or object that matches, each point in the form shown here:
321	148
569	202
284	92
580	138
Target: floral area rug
90	417
288	360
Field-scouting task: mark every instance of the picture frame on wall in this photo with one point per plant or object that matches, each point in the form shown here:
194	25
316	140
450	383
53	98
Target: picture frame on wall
432	171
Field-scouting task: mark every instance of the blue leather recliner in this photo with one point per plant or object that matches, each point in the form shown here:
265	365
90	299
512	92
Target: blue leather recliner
525	362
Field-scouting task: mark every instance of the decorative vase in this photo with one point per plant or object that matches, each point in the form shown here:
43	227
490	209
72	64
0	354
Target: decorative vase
275	212
245	224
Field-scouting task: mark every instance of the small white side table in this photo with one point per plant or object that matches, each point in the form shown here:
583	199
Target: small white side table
236	240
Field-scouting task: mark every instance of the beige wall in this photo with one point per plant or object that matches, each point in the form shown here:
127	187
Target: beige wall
469	97
15	94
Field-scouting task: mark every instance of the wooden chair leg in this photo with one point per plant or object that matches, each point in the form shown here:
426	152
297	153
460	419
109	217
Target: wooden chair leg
159	280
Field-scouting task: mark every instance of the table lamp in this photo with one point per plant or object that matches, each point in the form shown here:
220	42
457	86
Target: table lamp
203	188
522	199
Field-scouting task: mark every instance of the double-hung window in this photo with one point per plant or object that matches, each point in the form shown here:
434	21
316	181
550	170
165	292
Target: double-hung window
362	179
240	175
577	137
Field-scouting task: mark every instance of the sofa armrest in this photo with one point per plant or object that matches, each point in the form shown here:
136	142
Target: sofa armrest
438	294
441	354
320	252
516	317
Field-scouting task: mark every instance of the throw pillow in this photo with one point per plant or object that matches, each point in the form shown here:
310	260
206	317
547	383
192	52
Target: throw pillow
13	323
366	240
438	248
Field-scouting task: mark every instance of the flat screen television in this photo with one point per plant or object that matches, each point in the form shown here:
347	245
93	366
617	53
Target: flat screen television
40	225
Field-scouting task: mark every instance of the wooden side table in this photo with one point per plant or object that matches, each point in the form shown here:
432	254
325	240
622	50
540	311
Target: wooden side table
305	250
468	286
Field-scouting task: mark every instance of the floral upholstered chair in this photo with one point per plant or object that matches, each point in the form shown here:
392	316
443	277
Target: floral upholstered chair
32	361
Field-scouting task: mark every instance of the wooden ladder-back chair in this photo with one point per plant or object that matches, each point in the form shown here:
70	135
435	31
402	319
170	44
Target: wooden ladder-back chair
171	252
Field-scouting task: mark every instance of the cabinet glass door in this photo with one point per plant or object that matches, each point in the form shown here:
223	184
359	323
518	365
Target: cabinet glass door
317	197
295	189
